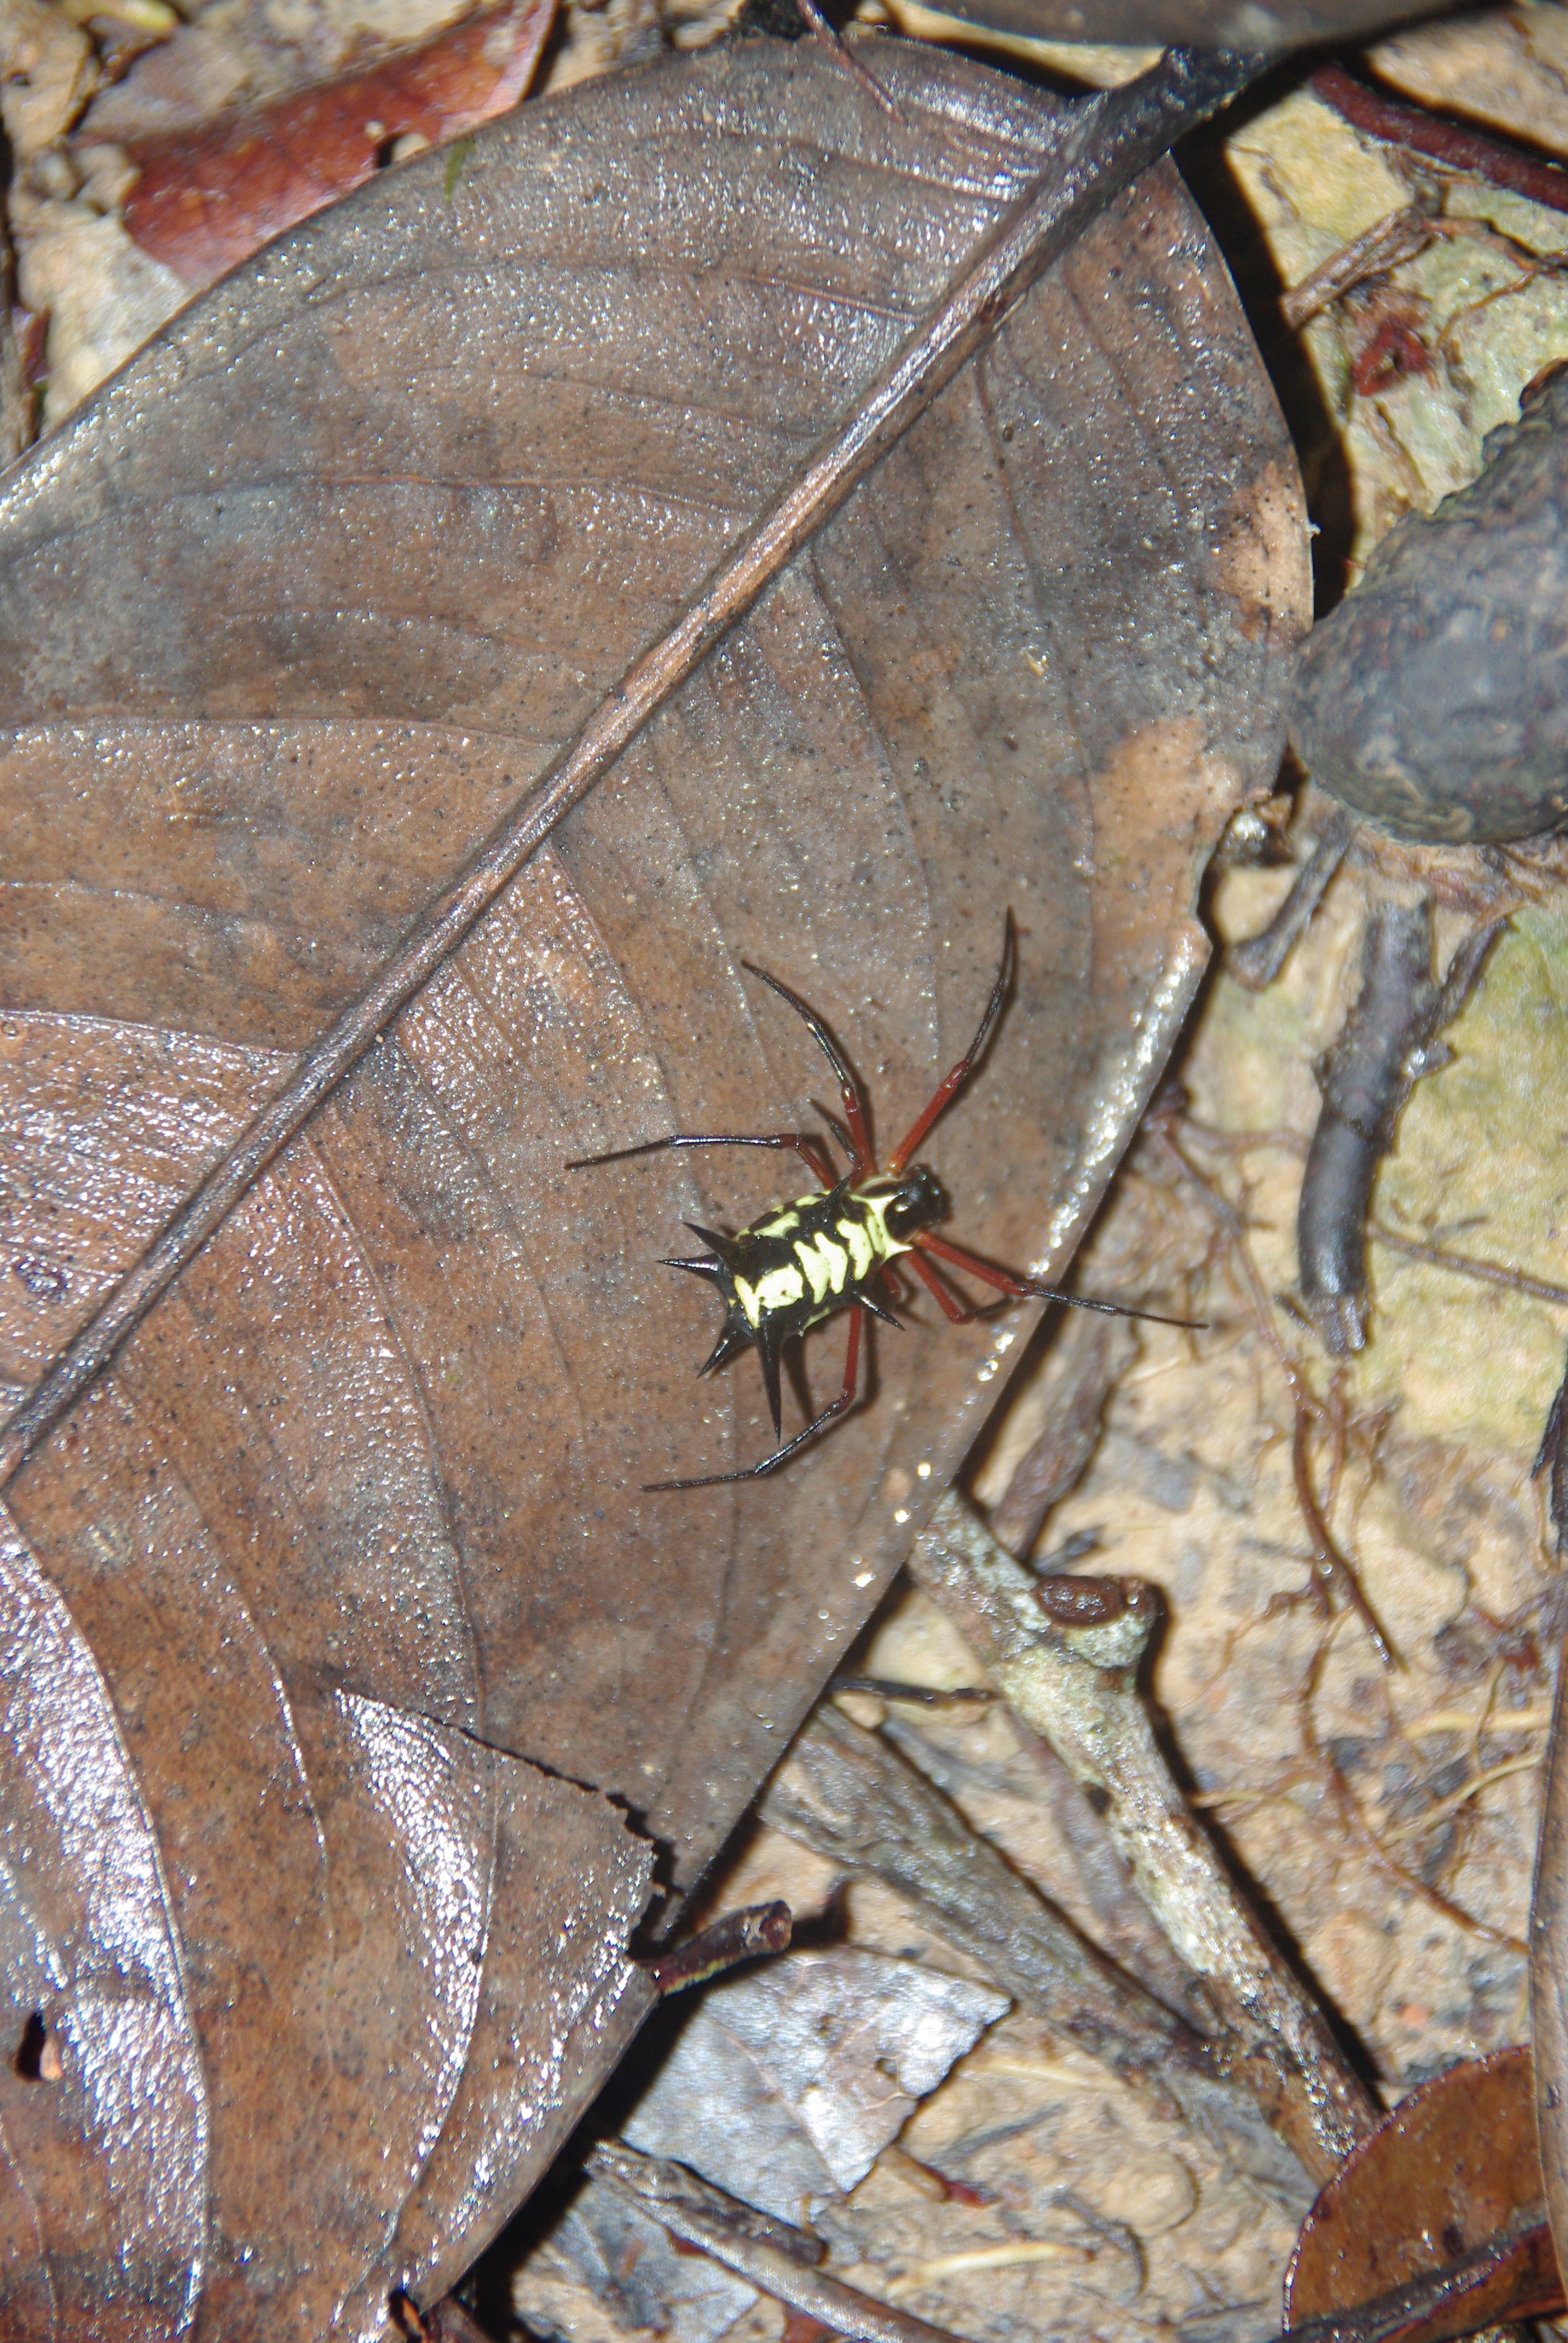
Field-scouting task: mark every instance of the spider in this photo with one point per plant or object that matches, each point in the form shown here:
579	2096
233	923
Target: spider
801	1261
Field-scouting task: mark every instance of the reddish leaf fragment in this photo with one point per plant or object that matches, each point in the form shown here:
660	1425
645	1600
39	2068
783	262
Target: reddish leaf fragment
31	328
447	2323
1393	353
1510	2276
206	198
1436	2225
799	2329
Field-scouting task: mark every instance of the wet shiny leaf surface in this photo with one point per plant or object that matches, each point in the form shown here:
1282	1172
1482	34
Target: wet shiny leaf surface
357	1614
1454	2167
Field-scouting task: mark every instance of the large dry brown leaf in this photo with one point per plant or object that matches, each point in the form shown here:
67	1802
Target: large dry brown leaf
356	1680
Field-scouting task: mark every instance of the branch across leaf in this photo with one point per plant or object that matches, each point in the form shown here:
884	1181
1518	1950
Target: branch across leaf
379	1677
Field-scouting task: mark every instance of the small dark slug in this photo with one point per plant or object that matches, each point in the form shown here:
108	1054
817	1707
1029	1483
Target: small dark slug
1069	1601
1434	700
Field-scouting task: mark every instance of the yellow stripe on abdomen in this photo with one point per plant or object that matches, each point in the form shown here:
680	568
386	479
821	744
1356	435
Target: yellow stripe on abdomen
777	1289
825	1264
860	1246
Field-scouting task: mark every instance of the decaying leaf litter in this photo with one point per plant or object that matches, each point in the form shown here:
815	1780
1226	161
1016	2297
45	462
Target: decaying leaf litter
1187	1485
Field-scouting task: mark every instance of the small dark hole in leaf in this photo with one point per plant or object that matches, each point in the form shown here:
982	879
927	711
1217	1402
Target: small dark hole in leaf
386	152
1453	2241
30	2049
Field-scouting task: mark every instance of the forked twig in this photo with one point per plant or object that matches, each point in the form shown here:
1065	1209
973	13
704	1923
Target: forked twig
1398	237
1256	961
703	2216
1488	1272
843	1792
1350	1808
1077	1688
1335	1572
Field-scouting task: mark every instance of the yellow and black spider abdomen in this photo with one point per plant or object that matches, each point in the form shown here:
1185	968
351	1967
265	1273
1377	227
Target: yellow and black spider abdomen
801	1261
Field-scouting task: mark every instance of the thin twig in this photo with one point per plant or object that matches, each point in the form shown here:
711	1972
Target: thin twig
1497	160
821	30
1332	1567
1334	1573
1452	1804
738	1937
1490	1272
914	1696
702	2215
1256	961
1397	237
1232	1229
1350	1813
1388	1041
1243	1142
844	1794
1111	138
982	2258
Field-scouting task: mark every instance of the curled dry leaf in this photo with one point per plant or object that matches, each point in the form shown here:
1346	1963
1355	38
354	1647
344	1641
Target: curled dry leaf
1204	23
205	199
344	1572
1453	2178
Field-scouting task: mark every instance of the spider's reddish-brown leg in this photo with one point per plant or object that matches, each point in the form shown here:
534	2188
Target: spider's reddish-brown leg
897	1290
859	1148
948	1089
952	1307
819	1423
801	1142
1022	1289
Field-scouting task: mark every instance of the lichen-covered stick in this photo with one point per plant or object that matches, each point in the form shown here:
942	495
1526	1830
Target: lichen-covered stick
1077	1687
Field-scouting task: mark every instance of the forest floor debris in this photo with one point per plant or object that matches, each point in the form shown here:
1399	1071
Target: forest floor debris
1384	1821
